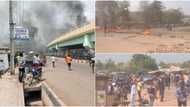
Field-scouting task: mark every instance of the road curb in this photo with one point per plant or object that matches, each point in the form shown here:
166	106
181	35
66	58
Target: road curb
21	87
49	97
21	95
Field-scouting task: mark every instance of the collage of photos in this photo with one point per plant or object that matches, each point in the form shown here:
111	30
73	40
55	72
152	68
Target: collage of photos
95	53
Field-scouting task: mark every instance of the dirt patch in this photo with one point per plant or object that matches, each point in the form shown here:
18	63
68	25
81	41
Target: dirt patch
166	41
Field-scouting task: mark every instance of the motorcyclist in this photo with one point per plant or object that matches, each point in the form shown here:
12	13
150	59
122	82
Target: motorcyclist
29	63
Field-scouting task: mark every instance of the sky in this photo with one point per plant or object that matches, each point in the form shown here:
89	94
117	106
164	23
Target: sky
183	4
164	57
89	9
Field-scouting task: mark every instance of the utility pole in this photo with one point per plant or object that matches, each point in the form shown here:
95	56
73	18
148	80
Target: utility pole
11	28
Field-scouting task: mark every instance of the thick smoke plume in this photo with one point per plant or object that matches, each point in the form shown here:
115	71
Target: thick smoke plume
46	20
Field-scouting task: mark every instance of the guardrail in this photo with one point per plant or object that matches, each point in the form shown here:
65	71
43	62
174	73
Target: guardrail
21	95
49	98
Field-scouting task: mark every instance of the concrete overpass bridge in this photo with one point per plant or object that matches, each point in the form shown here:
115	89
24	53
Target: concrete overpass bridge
79	42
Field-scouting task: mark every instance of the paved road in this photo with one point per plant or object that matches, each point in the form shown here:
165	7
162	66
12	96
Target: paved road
76	87
11	92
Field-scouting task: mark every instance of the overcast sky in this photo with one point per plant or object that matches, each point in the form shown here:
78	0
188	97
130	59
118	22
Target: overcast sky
183	4
165	57
89	9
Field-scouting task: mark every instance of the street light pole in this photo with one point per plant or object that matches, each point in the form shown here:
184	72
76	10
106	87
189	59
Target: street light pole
11	28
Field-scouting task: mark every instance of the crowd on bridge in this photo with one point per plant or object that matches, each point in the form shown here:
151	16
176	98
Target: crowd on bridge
135	90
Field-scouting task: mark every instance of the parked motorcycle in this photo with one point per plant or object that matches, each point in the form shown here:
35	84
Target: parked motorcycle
30	73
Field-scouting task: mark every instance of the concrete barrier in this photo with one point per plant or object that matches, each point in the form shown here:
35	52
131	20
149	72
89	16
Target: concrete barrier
21	88
21	95
49	98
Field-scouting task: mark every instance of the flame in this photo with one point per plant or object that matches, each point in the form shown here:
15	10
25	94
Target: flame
147	32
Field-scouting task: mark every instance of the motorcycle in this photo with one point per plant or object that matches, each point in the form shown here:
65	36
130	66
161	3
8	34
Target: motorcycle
37	71
30	73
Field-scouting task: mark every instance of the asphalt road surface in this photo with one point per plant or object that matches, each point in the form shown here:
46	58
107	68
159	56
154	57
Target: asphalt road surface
76	87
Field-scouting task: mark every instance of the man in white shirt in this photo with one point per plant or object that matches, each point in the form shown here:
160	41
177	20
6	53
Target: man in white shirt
53	61
36	59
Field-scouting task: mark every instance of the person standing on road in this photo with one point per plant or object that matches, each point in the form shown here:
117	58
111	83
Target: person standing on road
139	89
161	88
44	60
133	93
181	94
92	64
53	61
68	60
168	81
152	93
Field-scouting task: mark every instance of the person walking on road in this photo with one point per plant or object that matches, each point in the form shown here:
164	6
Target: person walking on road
182	94
68	60
53	61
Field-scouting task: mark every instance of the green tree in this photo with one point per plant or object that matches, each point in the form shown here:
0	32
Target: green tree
121	66
157	12
99	65
110	66
123	13
173	16
144	7
186	64
152	13
163	65
141	62
106	13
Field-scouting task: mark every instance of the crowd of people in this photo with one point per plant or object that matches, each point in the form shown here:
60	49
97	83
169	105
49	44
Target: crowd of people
135	90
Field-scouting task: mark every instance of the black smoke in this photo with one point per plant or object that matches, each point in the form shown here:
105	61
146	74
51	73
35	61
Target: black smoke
47	20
